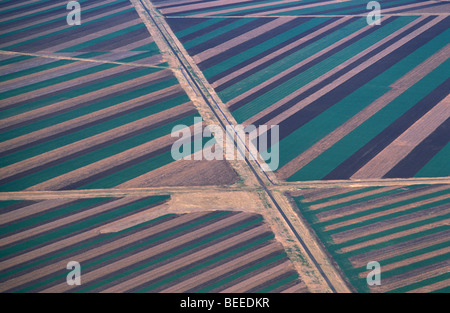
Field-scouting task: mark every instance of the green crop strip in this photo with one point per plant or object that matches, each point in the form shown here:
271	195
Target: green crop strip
95	41
244	272
76	227
63	18
438	166
94	156
343	258
69	77
167	256
81	248
88	109
282	282
114	15
211	35
424	283
264	46
390	232
202	265
195	28
339	152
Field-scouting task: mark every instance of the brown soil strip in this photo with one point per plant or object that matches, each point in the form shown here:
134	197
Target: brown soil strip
96	251
62	70
65	221
136	45
64	85
304	6
23	65
319	194
432	287
255	6
26	23
138	218
395	236
390	211
351	198
223	269
85	119
413	276
342	79
69	178
398	88
19	4
32	209
66	104
442	9
368	205
298	288
198	6
402	7
316	81
363	183
95	35
399	249
406	262
81	145
383	162
389	224
186	173
28	12
259	279
61	28
4	57
205	55
270	57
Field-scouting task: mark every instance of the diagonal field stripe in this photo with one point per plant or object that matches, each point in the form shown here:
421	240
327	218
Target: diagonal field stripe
400	86
384	161
89	144
271	56
203	56
363	66
98	250
20	33
249	7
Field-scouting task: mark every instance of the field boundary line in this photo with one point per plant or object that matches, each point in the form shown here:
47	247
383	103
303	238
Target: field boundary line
305	15
47	56
382	182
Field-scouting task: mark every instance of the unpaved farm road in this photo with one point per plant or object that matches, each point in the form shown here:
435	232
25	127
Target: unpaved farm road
282	187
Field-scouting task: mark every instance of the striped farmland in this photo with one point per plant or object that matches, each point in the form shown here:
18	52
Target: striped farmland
90	106
293	7
353	101
405	229
194	252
